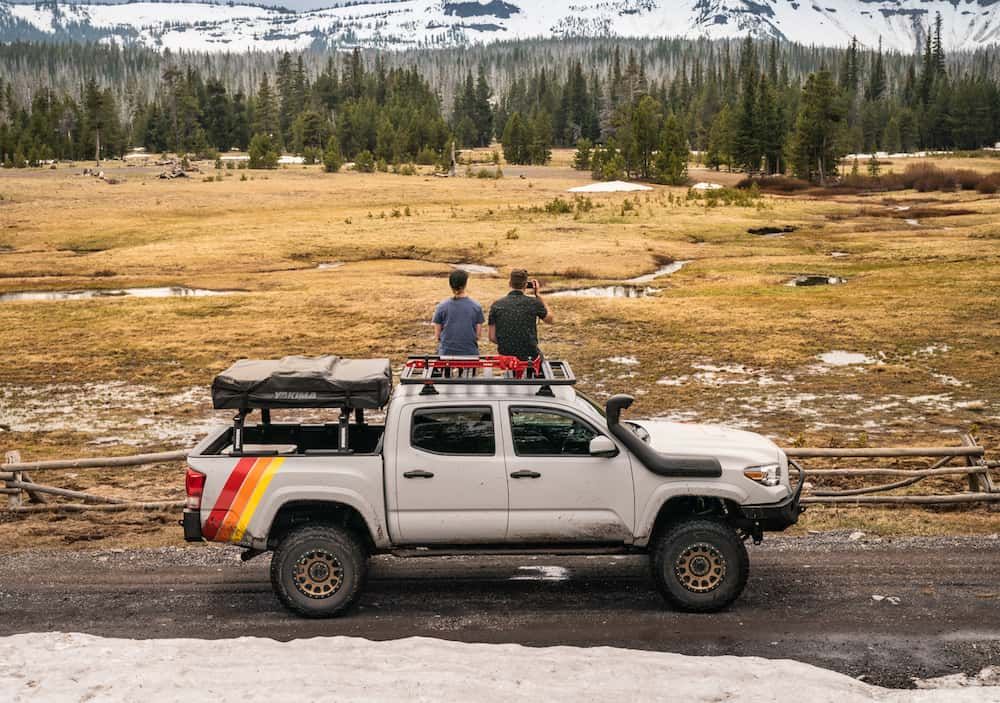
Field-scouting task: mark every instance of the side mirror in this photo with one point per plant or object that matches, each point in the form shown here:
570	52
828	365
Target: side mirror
603	446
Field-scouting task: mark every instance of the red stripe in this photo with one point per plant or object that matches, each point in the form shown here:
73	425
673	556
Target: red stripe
226	497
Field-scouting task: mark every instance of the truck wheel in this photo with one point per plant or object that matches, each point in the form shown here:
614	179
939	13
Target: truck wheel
318	571
700	566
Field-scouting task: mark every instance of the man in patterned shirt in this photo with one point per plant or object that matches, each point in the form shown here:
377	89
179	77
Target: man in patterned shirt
514	318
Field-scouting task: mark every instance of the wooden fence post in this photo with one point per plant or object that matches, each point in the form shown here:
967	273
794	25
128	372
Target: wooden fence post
13	499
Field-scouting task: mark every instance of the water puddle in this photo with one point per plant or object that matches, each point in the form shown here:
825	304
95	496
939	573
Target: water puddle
662	271
844	358
475	268
772	231
815	280
608	292
165	292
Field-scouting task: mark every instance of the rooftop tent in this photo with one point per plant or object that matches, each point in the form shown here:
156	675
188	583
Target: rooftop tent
303	382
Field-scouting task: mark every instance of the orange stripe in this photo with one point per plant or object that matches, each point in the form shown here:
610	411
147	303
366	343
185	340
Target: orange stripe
240	502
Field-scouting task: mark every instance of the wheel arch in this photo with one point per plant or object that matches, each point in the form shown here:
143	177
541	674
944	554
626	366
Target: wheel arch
684	507
297	513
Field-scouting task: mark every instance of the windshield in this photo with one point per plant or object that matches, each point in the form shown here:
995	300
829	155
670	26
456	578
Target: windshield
592	403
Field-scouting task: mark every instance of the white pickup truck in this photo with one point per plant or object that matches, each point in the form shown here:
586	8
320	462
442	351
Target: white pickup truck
474	456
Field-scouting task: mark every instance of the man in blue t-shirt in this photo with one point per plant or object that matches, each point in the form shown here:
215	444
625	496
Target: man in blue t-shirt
458	321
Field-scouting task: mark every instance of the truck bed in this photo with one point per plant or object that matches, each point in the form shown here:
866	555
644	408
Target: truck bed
294	440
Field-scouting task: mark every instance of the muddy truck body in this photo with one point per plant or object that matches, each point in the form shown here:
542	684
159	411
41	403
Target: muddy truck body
474	456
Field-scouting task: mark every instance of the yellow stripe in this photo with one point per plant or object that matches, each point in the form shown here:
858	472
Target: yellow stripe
239	503
258	493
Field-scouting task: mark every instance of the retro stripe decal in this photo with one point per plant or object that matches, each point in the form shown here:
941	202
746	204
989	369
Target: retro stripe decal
240	501
226	497
241	527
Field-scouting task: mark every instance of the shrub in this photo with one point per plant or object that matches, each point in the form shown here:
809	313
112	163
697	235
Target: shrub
967	179
332	158
365	162
558	206
382	166
989	184
263	152
776	184
311	155
427	157
407	170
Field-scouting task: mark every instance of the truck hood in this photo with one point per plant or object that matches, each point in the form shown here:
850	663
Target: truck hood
747	448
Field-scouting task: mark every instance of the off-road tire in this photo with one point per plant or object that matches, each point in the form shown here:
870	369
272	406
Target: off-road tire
700	566
318	571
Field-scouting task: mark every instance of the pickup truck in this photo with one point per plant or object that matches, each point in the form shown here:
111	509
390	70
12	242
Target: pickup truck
480	455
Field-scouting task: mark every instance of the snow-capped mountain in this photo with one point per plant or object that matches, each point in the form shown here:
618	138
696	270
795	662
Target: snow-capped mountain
398	24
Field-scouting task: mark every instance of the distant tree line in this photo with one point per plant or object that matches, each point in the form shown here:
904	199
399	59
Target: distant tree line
630	108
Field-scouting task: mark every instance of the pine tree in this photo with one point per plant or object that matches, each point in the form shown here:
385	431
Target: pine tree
333	160
673	155
265	118
263	151
813	148
581	159
218	116
746	137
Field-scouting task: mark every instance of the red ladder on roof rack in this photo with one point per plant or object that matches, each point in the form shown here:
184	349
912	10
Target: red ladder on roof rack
500	363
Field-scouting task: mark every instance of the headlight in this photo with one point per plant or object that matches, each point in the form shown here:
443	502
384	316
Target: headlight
766	474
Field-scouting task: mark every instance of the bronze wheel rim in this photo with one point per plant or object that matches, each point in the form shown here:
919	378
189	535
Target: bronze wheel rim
318	574
700	568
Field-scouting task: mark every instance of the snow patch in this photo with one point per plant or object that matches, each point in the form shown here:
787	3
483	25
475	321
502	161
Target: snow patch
706	186
843	358
51	667
623	360
610	187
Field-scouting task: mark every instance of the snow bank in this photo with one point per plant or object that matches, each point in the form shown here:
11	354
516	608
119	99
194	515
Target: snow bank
62	667
610	187
704	185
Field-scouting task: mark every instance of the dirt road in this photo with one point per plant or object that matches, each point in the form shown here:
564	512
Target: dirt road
809	599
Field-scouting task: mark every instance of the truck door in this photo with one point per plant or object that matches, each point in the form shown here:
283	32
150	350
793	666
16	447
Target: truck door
451	480
558	491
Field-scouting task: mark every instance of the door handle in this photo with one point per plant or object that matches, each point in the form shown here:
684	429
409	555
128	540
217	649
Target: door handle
525	474
419	473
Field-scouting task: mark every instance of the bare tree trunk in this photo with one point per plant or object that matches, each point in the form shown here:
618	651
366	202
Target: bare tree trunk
97	148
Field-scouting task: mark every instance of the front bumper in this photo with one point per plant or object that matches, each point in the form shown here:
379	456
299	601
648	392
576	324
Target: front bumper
192	526
775	517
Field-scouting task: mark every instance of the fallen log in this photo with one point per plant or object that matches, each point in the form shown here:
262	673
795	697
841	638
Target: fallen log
956	499
98	462
62	492
818	452
106	507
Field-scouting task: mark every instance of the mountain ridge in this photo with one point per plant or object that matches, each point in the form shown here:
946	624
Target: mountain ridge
900	25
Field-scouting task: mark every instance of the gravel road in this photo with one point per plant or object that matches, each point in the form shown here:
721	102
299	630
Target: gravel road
885	610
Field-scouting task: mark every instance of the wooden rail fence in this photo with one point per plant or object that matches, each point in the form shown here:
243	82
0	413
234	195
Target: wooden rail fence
25	495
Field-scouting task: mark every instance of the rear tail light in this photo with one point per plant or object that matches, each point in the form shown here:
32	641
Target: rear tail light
194	486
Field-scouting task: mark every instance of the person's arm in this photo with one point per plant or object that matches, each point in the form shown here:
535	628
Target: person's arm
438	321
544	314
493	325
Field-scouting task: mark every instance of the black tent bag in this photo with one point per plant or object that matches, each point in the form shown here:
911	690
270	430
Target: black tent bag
303	382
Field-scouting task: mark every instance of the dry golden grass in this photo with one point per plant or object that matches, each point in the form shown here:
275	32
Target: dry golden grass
909	287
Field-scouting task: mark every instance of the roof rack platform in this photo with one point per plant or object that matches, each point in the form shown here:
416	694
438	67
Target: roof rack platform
485	370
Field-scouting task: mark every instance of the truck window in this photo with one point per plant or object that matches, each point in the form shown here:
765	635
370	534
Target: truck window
549	433
453	431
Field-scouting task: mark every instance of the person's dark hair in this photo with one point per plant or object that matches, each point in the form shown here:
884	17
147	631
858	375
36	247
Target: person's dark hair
518	279
458	280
